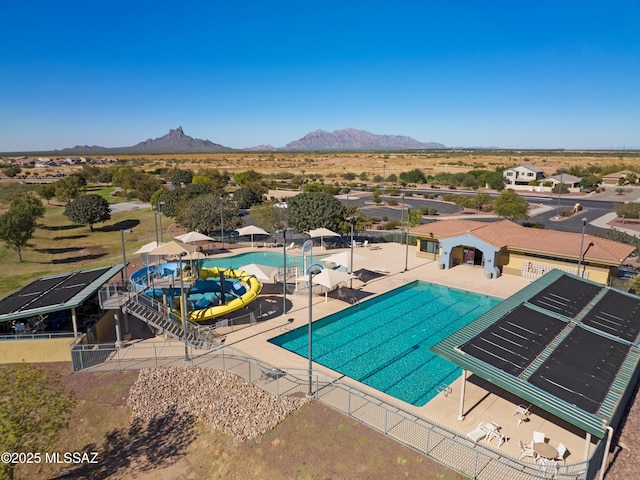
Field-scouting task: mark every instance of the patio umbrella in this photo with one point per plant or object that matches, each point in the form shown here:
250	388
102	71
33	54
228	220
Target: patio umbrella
344	259
193	237
328	278
147	248
251	230
322	232
174	247
261	272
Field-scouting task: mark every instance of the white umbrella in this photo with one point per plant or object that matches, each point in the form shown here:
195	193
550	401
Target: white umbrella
251	230
328	278
193	237
322	232
344	259
148	247
174	247
261	272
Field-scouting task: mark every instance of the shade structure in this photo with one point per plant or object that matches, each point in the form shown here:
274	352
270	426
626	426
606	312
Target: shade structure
328	278
251	230
261	272
344	259
174	247
193	237
147	248
321	233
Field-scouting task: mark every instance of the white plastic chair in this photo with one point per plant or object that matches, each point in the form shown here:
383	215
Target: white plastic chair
526	450
523	413
562	450
538	437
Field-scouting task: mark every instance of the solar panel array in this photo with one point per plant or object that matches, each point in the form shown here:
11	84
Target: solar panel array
590	331
46	292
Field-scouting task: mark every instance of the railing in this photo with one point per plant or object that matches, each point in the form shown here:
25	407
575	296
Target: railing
448	447
36	336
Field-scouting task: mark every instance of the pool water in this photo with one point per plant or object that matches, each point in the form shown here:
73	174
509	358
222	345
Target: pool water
271	259
385	342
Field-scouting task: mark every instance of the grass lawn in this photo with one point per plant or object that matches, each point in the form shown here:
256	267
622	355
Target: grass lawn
314	442
105	192
59	246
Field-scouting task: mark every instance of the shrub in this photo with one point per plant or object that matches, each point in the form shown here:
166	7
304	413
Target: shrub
392	203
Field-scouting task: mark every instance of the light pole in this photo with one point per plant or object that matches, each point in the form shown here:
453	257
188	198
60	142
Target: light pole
221	224
302	181
284	259
406	254
155	217
124	257
351	220
312	271
584	224
183	310
402	219
160	215
559	192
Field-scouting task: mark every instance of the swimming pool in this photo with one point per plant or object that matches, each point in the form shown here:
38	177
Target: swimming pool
385	342
271	259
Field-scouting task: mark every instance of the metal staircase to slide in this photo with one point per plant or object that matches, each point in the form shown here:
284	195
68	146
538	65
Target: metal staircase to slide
151	312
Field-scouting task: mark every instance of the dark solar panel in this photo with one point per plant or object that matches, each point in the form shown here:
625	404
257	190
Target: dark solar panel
514	341
47	292
566	296
69	288
18	300
581	370
617	315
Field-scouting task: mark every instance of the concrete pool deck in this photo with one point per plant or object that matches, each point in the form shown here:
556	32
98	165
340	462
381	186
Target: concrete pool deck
483	402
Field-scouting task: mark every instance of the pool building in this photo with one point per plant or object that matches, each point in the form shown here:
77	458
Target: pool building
506	247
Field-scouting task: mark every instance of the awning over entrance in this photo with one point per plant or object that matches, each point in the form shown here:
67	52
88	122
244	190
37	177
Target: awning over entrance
563	343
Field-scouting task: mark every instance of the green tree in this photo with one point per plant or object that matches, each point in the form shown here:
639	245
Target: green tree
176	199
46	191
30	204
627	210
179	175
202	214
314	210
362	221
11	170
34	408
268	216
88	210
245	197
146	185
511	205
68	188
413	176
480	200
17	226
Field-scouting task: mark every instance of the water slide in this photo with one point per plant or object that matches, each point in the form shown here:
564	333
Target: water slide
254	287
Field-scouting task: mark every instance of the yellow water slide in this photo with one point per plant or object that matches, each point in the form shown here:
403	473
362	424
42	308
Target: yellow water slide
254	287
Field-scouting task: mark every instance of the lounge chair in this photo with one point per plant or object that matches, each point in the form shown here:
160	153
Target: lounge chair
269	374
290	246
523	413
482	430
526	450
365	244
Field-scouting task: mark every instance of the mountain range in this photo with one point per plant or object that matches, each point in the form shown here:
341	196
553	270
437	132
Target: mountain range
176	141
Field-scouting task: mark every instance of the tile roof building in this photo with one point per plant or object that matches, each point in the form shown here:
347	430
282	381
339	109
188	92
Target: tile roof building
505	247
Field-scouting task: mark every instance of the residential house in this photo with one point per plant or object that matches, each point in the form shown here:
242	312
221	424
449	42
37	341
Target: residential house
522	175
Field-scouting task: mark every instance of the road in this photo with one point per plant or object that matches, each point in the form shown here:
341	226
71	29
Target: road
593	207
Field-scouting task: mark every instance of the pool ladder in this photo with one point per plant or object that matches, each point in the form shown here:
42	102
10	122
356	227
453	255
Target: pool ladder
444	389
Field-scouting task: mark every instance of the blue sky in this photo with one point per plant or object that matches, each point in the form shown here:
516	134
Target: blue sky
561	74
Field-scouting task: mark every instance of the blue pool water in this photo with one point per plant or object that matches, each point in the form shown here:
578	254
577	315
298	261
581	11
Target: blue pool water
385	342
272	259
